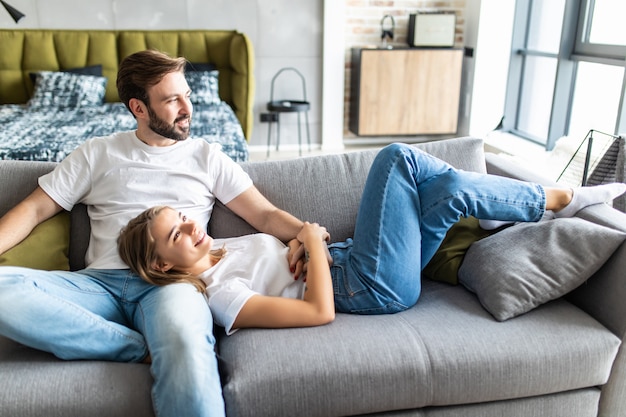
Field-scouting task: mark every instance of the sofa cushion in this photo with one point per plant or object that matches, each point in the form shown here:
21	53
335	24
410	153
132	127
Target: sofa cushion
446	350
46	247
37	384
523	266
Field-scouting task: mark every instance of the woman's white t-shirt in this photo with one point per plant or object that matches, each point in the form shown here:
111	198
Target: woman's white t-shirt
119	176
253	264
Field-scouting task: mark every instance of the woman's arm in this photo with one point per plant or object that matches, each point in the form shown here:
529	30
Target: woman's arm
318	305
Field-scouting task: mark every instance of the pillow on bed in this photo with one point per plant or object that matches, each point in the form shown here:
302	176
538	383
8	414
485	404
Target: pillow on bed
204	86
199	66
67	90
95	70
88	70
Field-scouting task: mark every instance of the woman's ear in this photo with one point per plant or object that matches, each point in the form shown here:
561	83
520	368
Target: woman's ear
162	266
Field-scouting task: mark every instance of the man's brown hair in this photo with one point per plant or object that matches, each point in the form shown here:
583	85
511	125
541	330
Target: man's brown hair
142	70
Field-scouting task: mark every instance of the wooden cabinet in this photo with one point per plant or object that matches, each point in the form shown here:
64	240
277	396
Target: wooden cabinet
405	91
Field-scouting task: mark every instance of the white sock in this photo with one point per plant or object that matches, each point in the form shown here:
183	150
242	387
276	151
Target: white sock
587	196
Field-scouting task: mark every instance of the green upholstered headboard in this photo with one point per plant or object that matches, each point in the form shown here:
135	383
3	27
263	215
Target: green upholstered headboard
25	51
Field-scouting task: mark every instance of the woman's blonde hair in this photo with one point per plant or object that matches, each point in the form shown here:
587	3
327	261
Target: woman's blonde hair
137	248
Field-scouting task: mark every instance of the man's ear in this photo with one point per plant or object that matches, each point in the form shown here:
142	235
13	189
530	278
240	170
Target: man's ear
162	266
138	107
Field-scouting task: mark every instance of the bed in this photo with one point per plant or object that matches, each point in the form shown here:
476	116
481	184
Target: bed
57	87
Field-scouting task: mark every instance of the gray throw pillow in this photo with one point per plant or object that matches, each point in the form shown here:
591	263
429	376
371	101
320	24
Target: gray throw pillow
526	265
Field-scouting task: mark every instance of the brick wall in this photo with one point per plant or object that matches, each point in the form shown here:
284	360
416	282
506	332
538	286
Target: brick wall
363	28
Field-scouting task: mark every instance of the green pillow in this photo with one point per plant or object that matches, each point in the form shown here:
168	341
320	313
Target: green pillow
444	266
47	246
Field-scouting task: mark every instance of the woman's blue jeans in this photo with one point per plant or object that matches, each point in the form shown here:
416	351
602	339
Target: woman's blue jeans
113	315
410	201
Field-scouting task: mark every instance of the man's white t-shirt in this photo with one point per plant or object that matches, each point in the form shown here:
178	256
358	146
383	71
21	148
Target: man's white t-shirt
253	264
119	176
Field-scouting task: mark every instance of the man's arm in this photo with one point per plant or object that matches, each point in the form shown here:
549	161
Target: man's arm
18	222
254	208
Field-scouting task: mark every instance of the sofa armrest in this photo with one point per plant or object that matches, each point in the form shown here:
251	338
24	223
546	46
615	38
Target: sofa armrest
603	295
506	167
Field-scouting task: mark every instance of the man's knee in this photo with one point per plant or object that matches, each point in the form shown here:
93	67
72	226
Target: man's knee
178	315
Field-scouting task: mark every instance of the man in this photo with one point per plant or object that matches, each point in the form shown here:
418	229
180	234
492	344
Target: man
105	312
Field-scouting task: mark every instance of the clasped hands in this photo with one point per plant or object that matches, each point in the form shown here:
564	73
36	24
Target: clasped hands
297	250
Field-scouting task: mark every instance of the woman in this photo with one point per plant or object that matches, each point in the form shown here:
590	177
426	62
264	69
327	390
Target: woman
409	202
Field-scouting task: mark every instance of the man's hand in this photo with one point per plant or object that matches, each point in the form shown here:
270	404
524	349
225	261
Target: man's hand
313	231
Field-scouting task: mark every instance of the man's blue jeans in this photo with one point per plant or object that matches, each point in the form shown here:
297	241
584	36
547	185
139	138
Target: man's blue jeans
114	315
410	201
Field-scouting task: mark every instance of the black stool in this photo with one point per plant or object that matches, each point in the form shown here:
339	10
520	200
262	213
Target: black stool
288	106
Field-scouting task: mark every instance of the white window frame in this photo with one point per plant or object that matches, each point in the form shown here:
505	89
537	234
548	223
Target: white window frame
574	47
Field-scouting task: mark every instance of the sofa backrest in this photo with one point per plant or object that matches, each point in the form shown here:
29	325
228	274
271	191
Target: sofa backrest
325	189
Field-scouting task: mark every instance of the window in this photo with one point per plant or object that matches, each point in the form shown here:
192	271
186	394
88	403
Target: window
596	98
566	74
599	28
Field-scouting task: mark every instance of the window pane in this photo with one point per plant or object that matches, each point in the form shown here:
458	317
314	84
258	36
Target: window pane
596	98
536	101
546	20
607	24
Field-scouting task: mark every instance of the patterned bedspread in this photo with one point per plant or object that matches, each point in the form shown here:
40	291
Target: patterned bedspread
50	135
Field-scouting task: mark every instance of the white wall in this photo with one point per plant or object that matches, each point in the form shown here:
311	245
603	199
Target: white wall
285	33
493	49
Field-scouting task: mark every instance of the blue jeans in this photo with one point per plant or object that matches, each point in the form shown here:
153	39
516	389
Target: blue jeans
113	315
410	201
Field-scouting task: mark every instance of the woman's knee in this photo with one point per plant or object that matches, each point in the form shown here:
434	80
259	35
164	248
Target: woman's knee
393	157
394	150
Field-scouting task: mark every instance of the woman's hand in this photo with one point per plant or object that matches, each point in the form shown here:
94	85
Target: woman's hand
314	233
296	255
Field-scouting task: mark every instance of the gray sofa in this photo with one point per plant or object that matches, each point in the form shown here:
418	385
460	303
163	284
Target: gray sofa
447	356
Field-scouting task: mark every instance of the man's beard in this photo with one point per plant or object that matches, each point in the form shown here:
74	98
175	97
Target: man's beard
170	131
